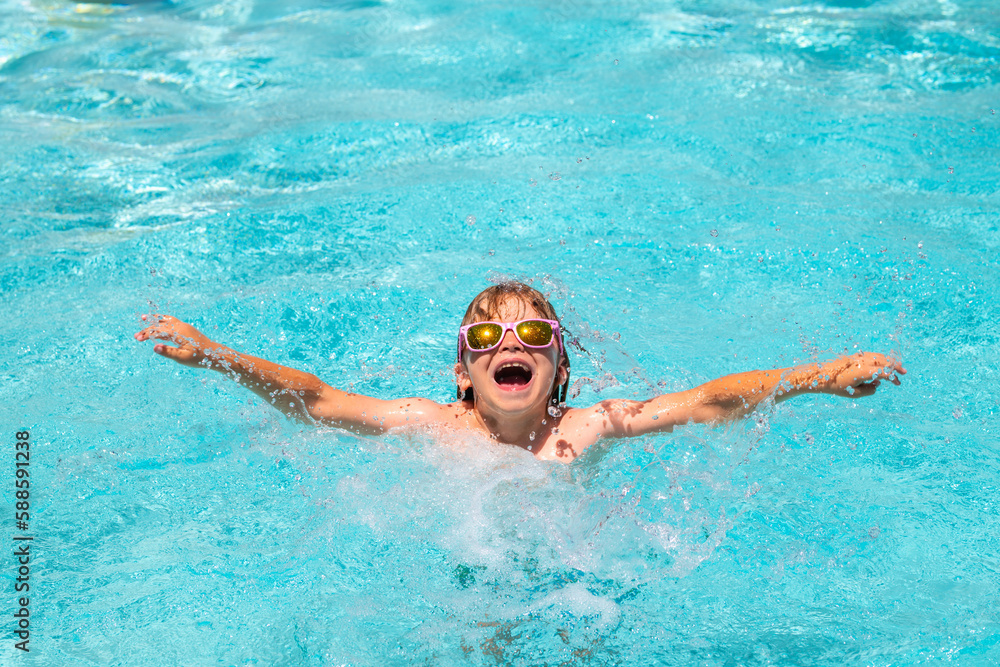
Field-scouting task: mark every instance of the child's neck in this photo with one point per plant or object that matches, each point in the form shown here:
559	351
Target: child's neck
526	432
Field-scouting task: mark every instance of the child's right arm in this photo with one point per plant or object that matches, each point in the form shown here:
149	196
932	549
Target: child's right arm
734	396
299	395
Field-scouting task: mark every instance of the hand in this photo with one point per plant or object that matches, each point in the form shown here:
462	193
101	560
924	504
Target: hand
860	374
193	347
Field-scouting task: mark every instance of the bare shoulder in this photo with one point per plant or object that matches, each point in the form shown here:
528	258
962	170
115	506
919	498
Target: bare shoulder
583	419
579	428
573	432
423	406
608	418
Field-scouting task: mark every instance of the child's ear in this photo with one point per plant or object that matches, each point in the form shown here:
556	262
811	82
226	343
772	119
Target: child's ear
462	378
561	374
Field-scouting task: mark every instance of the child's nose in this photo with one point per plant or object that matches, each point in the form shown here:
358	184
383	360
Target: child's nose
510	342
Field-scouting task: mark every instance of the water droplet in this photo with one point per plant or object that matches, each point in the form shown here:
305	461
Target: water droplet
555	176
850	391
616	61
809	439
714	232
532	182
655	417
531	436
554	411
471	220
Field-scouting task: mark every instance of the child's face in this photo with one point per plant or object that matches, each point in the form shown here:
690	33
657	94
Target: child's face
511	379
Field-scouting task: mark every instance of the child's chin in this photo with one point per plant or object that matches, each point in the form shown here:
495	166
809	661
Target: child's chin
516	400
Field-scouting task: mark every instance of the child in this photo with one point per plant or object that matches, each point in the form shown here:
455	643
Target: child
512	367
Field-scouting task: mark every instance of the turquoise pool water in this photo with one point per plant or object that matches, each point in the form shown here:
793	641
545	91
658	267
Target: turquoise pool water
702	187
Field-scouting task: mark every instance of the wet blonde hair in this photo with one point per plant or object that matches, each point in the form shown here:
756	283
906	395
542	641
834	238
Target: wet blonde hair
486	306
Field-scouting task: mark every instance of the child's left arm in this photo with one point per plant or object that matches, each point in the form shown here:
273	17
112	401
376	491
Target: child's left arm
736	395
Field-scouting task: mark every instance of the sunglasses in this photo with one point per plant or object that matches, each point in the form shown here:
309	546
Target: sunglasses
484	336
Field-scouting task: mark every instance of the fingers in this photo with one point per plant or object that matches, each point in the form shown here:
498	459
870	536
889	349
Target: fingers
164	328
178	354
867	371
881	366
148	332
159	332
892	371
191	345
895	365
866	389
156	317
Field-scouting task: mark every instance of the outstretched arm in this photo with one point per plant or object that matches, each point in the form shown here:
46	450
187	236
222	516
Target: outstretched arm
299	395
736	395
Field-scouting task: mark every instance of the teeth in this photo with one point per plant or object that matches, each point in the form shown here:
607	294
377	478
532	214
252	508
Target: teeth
513	364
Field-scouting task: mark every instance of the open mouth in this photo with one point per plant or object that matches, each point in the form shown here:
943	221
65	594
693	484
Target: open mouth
512	376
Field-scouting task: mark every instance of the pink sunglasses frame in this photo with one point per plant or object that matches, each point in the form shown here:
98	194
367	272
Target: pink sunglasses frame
463	335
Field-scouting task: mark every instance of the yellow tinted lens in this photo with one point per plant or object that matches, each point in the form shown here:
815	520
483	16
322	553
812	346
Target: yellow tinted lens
535	332
483	336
